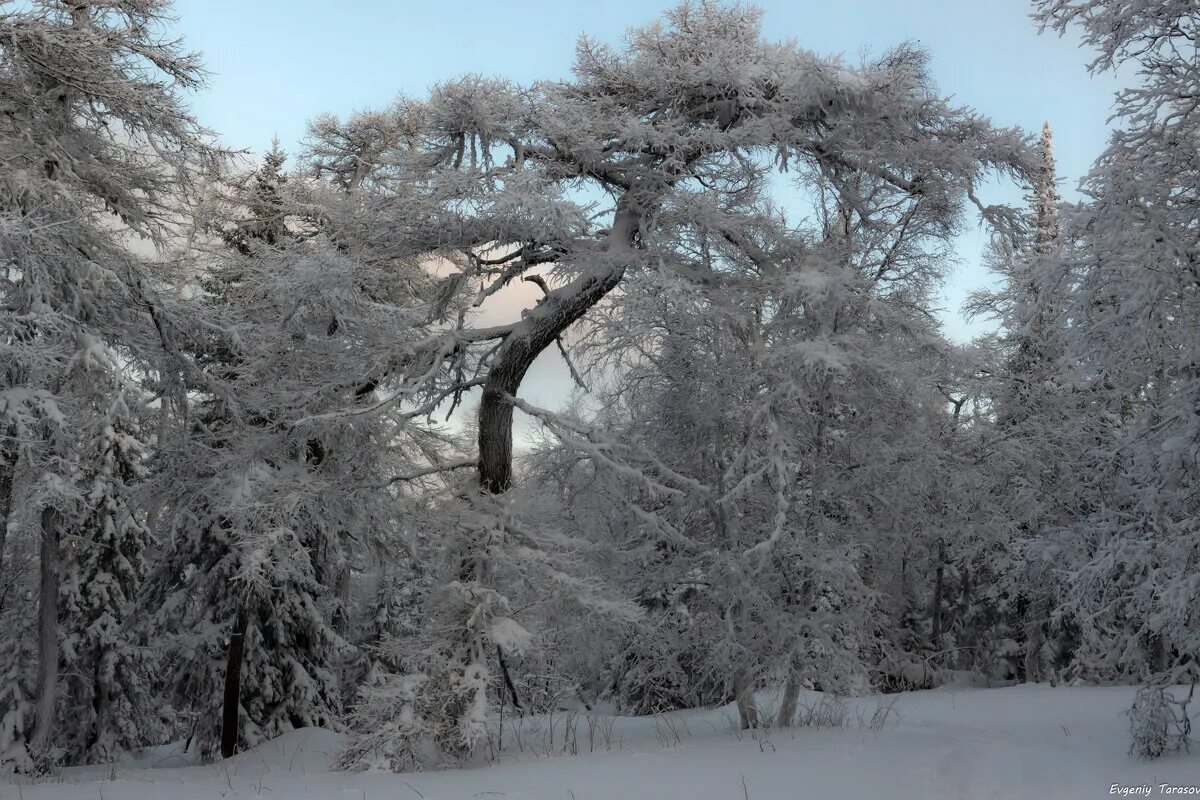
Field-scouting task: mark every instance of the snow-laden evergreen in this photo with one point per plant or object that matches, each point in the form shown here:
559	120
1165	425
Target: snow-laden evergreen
97	148
280	476
1128	270
110	668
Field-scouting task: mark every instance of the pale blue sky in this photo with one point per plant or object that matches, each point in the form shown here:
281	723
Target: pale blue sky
278	63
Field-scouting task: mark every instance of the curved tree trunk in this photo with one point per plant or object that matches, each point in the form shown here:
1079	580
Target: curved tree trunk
541	328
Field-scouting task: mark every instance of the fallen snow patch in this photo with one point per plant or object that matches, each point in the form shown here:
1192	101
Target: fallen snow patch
1023	741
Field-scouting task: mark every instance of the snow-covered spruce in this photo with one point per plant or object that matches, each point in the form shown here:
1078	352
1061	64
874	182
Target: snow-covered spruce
98	149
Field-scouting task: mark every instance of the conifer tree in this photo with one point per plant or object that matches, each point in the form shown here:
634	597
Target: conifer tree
1026	445
109	695
1129	262
302	468
97	145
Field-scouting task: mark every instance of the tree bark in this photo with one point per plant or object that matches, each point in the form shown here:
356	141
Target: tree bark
515	357
743	691
1033	650
1035	640
341	590
101	700
540	329
966	655
231	712
787	706
8	469
1017	662
935	608
47	680
508	681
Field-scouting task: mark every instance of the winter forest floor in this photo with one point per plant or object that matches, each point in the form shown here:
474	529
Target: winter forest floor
1014	742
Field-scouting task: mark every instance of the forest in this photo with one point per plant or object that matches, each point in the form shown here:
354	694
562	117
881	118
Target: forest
258	465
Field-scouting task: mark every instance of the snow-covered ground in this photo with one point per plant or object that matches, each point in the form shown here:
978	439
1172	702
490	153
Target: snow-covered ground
1015	742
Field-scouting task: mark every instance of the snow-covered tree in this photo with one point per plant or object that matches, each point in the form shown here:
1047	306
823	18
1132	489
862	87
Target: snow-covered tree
108	691
624	174
1129	265
227	509
98	148
287	471
1025	450
798	446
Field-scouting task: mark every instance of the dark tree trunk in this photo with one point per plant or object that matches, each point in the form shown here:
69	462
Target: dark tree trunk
540	329
8	470
231	711
935	609
791	697
508	681
47	679
1035	640
1018	664
551	317
966	656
